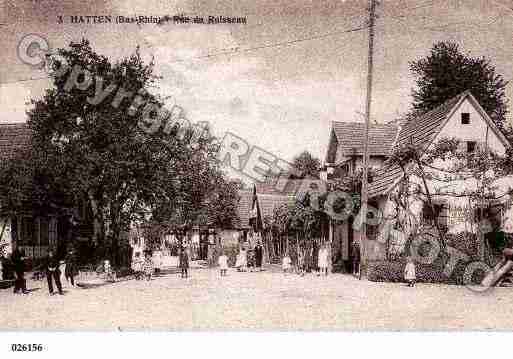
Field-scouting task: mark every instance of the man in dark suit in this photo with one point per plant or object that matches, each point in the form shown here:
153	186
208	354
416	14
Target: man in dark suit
52	271
18	261
184	262
258	256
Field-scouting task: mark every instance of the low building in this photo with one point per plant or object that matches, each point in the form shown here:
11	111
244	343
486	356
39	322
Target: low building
36	229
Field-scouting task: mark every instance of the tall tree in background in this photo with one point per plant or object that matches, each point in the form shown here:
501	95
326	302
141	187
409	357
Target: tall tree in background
103	154
306	165
447	72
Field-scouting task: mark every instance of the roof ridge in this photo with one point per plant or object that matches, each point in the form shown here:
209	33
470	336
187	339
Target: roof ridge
363	123
13	123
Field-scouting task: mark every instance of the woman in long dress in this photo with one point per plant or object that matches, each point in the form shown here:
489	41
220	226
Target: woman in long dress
244	259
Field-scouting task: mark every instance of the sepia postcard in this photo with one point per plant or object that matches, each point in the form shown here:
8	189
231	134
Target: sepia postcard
274	165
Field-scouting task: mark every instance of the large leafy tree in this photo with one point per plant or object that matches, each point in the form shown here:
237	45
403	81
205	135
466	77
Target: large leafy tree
103	155
306	165
447	72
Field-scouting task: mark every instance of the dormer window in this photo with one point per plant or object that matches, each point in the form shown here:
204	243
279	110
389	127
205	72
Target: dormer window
465	118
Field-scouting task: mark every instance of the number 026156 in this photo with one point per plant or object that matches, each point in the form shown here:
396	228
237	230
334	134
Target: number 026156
27	347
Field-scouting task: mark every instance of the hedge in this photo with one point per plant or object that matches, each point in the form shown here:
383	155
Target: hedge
393	271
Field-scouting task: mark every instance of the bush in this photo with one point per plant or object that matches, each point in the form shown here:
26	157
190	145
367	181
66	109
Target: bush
393	271
465	242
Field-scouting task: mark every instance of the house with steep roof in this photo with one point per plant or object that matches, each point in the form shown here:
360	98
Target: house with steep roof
461	118
344	157
346	146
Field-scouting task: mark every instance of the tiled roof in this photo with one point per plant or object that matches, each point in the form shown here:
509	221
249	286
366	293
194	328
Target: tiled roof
350	136
266	202
14	139
420	132
292	187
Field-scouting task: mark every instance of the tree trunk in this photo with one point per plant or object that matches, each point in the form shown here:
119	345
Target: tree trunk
430	202
98	220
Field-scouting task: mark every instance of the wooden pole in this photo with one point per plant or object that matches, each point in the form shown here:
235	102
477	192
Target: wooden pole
364	194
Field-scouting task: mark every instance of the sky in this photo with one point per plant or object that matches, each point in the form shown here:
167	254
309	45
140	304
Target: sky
277	81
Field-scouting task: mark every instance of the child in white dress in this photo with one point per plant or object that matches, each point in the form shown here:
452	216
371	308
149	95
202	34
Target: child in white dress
323	261
109	273
286	263
148	267
409	273
223	264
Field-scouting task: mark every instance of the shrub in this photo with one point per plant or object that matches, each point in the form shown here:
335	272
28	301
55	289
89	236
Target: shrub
465	242
393	271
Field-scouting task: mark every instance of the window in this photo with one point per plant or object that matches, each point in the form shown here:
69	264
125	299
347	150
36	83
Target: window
465	118
471	146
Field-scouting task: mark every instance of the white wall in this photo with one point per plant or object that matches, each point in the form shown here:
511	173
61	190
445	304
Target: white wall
475	131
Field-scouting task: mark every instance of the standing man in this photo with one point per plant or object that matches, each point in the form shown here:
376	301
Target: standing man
258	256
18	260
71	269
52	271
184	262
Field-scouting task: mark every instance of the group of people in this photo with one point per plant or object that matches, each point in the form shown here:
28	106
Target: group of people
149	264
145	267
249	259
50	266
301	265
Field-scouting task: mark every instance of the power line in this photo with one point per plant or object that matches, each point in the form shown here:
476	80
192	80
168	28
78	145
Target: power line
277	44
239	50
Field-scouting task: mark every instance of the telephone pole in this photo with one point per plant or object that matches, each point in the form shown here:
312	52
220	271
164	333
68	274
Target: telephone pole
364	195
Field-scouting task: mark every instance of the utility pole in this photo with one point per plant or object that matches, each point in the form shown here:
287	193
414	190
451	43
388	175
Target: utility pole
364	195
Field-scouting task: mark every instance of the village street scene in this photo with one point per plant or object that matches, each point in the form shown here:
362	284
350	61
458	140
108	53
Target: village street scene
183	170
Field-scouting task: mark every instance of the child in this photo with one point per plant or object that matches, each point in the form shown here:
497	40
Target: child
409	272
286	263
148	267
223	264
137	266
323	261
109	275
